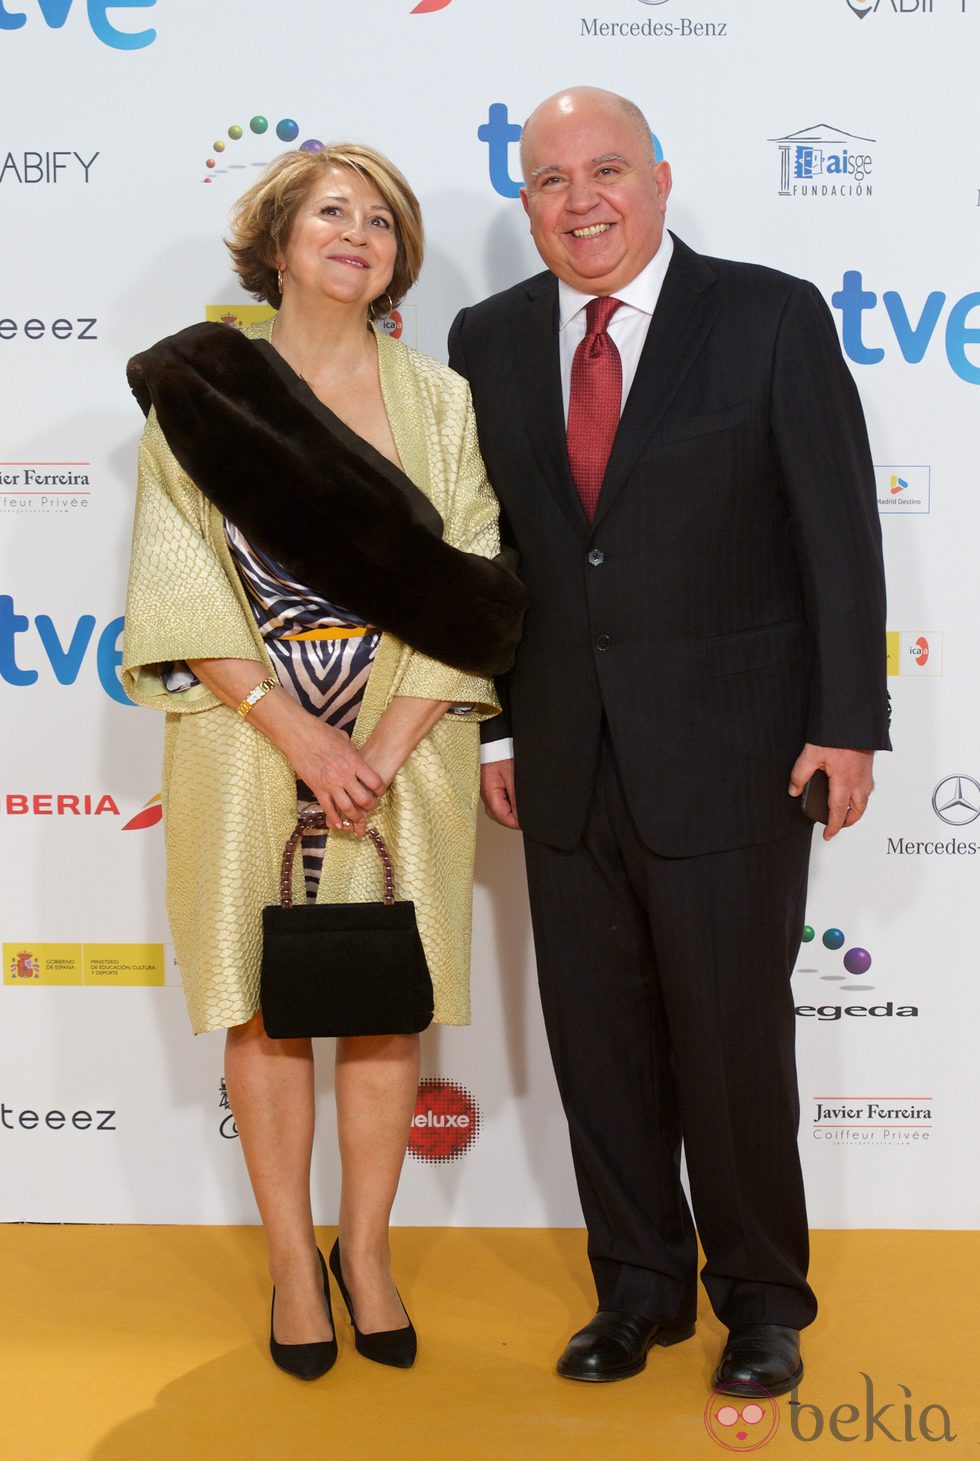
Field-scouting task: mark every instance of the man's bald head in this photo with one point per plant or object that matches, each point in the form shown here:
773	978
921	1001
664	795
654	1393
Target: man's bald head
581	101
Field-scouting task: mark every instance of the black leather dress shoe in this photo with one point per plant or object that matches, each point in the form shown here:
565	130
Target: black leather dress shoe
759	1356
614	1345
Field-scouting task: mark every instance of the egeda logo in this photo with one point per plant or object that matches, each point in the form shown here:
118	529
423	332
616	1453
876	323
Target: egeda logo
54	13
500	133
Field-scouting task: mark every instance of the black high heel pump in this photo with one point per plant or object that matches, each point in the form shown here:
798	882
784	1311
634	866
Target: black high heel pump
396	1347
305	1361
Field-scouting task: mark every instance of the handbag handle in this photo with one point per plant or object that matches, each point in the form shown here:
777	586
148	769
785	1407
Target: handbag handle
316	821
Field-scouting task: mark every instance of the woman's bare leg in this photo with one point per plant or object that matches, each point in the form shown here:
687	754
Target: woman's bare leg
270	1089
377	1085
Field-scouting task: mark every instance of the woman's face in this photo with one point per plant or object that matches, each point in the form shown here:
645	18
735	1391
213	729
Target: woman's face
343	243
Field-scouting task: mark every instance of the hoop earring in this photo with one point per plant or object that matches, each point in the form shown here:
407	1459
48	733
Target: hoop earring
279	281
387	313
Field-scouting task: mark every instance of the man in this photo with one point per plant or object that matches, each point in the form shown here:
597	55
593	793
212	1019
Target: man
682	461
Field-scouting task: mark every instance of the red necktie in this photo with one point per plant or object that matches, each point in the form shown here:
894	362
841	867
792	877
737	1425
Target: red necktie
594	402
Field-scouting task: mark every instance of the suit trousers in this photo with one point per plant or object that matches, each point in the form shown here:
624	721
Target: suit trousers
665	984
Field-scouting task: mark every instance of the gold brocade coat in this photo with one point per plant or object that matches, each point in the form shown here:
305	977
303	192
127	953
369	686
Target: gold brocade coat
229	795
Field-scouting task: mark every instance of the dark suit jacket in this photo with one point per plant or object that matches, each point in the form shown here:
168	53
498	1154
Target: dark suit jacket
727	604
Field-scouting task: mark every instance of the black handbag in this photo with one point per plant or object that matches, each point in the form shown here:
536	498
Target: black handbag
342	968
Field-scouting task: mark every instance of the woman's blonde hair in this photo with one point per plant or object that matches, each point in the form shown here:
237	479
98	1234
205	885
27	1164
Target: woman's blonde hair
263	217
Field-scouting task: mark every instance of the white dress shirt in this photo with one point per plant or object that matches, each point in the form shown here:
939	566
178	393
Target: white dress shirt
628	329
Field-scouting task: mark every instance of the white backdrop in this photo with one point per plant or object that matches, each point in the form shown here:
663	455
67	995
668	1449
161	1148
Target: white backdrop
831	138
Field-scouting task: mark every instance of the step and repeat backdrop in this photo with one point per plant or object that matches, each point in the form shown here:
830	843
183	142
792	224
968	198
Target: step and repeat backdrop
834	139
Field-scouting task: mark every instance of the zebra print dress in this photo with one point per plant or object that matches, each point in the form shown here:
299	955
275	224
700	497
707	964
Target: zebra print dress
326	676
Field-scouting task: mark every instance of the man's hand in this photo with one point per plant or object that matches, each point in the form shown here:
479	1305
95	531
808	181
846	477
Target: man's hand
497	791
851	782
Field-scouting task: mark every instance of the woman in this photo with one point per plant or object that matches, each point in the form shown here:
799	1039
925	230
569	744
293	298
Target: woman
312	528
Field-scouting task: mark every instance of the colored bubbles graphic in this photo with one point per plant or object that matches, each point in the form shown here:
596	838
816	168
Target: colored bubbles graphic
857	961
286	130
833	939
808	934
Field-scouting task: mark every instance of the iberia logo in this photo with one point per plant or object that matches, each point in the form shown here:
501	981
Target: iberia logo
425	7
148	816
446	1122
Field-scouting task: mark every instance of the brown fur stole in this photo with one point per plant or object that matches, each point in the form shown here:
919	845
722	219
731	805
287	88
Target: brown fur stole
321	501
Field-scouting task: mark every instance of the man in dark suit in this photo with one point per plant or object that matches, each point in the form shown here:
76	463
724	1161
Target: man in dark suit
683	466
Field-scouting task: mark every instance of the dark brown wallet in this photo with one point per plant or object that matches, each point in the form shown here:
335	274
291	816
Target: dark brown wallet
816	798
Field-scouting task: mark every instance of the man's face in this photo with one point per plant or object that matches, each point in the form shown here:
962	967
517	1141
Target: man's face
594	195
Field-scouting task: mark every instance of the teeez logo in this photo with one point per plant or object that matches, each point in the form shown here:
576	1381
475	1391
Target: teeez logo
446	1122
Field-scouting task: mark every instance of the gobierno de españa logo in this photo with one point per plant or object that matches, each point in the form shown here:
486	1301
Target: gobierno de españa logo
446	1121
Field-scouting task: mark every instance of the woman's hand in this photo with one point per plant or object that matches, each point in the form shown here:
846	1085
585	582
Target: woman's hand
343	783
346	787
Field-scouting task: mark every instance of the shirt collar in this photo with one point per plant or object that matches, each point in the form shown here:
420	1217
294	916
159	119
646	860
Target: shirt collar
641	293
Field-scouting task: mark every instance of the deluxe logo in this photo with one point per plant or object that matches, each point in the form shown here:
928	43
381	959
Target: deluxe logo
500	134
878	1121
915	653
913	332
446	1122
903	490
863	8
824	162
93	965
45	167
54	13
58	804
286	131
64	655
856	962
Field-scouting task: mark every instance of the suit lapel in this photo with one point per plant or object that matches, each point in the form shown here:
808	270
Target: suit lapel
539	377
684	315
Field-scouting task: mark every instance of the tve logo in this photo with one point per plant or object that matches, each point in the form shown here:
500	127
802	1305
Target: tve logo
913	333
65	658
54	13
499	132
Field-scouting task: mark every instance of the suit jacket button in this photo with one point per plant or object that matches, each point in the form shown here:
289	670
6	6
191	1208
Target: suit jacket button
602	641
596	556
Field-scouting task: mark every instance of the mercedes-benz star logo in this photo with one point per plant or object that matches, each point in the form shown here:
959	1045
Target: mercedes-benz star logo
956	800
